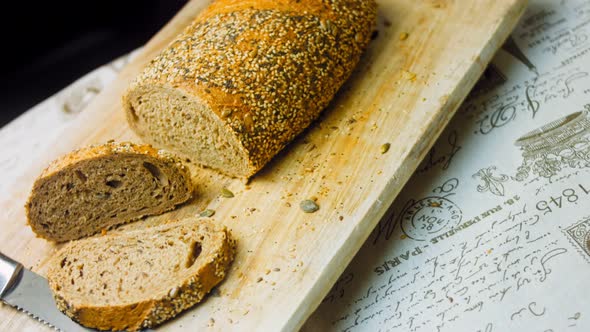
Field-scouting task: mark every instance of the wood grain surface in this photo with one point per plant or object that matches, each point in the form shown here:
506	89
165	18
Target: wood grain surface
425	58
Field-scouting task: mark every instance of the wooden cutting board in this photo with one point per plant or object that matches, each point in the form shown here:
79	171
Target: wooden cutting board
426	56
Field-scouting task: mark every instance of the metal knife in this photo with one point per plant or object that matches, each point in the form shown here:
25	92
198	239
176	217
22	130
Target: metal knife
30	293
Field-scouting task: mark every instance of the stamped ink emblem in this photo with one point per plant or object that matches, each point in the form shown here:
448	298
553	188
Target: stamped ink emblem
430	216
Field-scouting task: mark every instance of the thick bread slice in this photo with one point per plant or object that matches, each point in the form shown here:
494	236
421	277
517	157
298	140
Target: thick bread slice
246	77
141	278
95	188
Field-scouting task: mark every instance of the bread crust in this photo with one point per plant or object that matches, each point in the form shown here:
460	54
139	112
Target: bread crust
264	68
98	151
106	149
153	311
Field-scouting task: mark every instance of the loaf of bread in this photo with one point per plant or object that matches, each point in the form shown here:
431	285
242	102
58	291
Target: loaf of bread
95	188
246	77
139	279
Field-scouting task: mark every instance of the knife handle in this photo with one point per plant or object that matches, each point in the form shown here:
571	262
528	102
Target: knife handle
9	271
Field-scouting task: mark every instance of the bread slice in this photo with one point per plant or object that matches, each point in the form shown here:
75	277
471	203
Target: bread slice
139	279
95	188
246	77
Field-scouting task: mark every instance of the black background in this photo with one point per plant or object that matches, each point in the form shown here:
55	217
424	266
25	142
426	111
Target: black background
46	45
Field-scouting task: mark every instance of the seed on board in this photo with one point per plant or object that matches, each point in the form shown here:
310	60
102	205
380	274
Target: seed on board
226	193
173	292
385	147
259	279
207	213
309	206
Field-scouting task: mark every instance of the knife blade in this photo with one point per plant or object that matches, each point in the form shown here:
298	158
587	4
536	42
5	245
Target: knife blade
30	293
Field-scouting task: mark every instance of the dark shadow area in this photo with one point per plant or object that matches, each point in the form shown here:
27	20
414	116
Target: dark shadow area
49	44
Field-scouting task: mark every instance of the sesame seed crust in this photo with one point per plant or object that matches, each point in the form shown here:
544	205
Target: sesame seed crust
110	148
265	69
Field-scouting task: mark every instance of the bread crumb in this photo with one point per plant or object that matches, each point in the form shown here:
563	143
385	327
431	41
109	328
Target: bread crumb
103	232
341	218
411	76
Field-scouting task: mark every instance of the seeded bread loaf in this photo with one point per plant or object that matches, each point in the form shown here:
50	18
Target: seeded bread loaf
139	279
246	77
95	188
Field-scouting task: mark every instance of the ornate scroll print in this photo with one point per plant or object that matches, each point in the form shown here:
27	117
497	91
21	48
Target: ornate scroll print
557	145
492	183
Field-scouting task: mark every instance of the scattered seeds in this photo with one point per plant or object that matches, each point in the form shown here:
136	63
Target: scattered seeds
207	213
259	279
276	269
385	147
226	193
